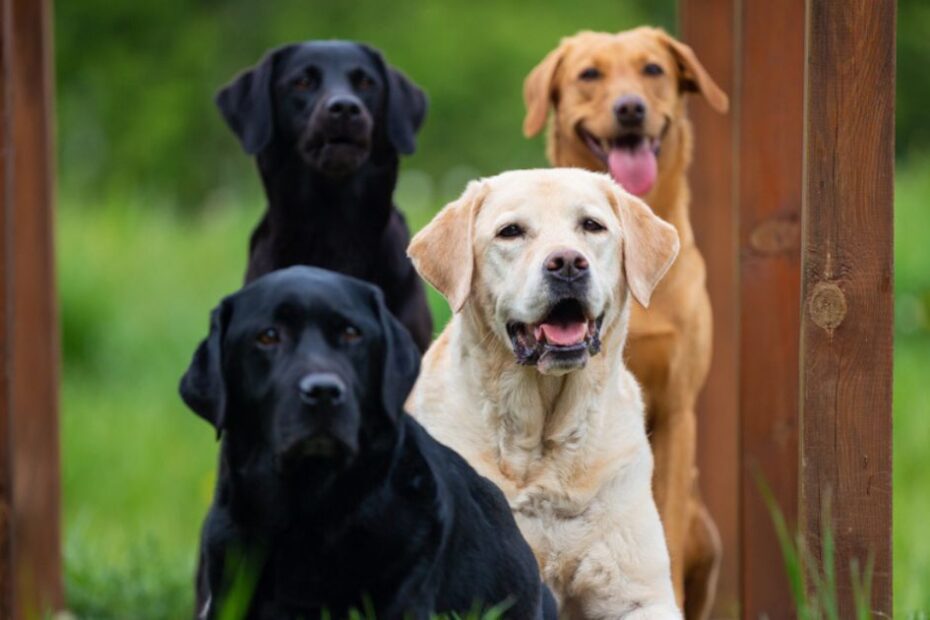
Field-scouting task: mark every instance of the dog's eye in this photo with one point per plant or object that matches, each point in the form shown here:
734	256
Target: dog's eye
589	74
653	69
268	337
350	333
592	225
510	231
303	83
363	82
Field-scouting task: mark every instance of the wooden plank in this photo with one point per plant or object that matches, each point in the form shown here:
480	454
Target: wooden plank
847	316
708	27
31	329
769	149
6	478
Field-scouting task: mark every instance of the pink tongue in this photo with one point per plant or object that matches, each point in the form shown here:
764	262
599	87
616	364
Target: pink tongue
634	170
564	334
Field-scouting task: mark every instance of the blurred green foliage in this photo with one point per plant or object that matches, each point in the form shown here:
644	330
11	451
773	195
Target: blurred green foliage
136	81
157	201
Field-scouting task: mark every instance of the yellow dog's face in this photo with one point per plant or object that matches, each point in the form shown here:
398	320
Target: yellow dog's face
546	256
615	97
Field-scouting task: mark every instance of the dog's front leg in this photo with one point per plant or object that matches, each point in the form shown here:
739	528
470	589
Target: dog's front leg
673	439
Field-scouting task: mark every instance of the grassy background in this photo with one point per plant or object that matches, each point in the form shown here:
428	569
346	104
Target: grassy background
157	201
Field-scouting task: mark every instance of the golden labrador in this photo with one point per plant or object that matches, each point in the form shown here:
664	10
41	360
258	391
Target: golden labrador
527	380
619	106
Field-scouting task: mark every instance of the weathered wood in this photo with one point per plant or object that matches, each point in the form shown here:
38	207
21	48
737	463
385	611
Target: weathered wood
847	311
769	156
29	454
708	27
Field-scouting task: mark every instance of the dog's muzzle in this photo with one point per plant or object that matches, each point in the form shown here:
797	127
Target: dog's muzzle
562	340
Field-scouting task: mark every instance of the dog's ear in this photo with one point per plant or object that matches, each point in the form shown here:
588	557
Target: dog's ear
247	105
401	363
203	388
405	105
538	90
443	251
693	77
650	244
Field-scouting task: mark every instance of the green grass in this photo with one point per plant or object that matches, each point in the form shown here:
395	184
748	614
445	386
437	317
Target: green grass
137	282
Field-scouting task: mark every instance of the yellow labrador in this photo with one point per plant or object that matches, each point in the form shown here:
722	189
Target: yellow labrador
527	381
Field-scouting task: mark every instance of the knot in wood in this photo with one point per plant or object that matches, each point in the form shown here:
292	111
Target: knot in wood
775	236
827	306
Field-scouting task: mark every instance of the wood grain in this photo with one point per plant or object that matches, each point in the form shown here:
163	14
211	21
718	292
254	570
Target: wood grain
847	316
769	155
708	27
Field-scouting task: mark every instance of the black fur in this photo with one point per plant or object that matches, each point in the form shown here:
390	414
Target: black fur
329	177
336	497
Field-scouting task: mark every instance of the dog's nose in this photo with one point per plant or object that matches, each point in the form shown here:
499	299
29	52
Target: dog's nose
343	106
567	265
322	389
630	111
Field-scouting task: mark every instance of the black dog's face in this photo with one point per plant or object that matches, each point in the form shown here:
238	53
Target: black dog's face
307	369
328	98
332	103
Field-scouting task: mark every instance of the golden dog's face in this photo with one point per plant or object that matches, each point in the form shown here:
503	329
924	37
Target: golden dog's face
547	257
615	98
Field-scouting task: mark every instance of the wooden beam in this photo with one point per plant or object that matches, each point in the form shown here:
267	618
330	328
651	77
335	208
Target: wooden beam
847	315
29	481
708	26
769	155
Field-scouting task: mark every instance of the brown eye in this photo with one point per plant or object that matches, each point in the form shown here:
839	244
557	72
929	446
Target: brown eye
511	231
592	225
653	69
349	334
303	83
268	337
363	82
589	74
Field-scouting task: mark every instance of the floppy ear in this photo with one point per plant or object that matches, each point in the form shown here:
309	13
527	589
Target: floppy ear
247	105
401	363
405	105
202	386
537	90
694	77
650	244
442	252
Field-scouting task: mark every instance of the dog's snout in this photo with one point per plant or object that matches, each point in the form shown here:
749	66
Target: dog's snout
322	389
630	111
343	106
566	265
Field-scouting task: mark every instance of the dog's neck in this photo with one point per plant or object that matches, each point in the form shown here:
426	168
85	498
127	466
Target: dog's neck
300	199
670	197
533	415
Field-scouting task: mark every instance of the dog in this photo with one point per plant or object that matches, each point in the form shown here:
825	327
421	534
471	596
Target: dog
527	380
327	121
619	106
329	495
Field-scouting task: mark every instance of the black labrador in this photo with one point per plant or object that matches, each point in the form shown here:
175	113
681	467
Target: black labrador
327	121
329	496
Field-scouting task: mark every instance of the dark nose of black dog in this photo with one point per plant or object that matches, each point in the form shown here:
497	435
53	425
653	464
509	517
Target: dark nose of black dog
566	265
630	111
322	389
343	107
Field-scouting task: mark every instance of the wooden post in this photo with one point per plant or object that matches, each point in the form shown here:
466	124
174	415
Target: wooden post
847	314
769	155
709	28
30	556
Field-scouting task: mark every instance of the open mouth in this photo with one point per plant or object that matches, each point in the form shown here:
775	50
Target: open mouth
631	157
564	338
